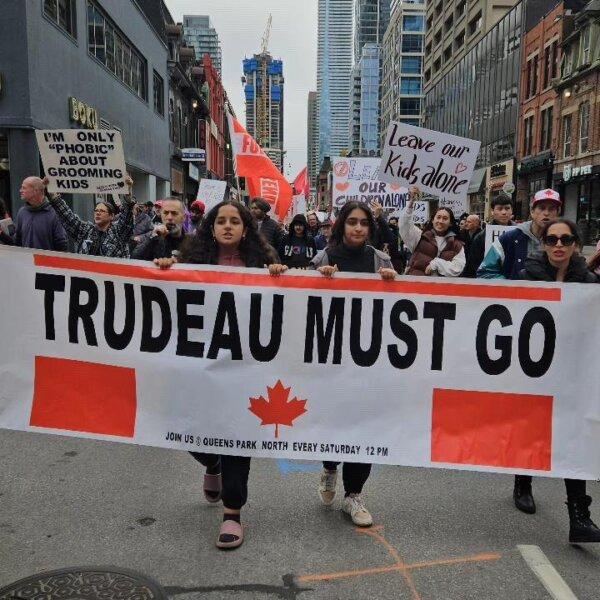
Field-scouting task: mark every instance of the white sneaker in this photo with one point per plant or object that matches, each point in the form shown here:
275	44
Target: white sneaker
327	487
355	507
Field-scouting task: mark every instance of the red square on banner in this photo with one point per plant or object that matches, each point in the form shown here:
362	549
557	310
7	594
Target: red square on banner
83	396
492	429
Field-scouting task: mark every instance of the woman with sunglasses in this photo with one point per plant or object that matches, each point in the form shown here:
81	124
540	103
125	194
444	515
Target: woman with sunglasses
560	260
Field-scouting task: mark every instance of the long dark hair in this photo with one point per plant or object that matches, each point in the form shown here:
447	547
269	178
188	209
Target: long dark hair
337	233
203	249
453	227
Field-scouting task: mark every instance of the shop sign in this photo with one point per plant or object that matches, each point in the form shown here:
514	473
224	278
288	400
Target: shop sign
194	172
570	171
193	154
176	180
498	170
83	114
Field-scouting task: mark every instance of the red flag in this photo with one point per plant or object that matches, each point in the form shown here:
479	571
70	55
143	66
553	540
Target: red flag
301	184
263	177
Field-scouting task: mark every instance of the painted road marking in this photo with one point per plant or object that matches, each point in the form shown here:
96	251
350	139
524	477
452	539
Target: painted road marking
546	573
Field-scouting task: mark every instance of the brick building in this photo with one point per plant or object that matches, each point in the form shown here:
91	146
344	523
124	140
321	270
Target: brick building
577	122
540	69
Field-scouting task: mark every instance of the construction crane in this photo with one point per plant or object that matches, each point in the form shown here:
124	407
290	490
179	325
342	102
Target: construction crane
262	121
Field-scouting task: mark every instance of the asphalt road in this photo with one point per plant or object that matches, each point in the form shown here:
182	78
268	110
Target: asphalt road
439	534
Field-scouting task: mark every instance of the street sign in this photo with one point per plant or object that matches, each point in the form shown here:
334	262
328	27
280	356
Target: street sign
193	154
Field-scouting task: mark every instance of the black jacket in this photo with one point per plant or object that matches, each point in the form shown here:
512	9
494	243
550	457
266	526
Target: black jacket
538	268
271	231
158	247
297	252
476	252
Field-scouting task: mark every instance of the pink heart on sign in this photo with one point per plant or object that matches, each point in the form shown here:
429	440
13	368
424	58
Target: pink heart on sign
342	187
395	186
460	168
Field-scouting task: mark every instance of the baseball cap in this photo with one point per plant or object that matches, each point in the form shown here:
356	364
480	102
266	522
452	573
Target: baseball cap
547	195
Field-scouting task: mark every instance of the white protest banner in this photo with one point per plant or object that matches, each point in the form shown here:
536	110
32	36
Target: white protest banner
357	179
420	371
493	232
211	192
83	161
438	163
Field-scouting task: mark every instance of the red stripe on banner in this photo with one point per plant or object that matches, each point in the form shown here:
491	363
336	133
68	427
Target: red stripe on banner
427	287
492	429
85	397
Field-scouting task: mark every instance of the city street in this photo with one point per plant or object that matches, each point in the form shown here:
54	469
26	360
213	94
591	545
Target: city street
438	534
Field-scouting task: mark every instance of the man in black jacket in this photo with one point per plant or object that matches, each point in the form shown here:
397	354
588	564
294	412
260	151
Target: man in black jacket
502	213
267	226
165	240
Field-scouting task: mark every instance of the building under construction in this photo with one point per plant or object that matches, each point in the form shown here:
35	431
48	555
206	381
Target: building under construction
263	88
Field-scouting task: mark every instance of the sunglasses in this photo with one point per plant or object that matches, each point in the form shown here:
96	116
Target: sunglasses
565	240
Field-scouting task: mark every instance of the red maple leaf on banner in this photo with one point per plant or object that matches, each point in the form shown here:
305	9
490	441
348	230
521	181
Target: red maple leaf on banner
277	410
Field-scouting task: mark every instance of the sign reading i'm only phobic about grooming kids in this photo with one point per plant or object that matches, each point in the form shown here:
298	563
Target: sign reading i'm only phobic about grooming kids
82	161
438	163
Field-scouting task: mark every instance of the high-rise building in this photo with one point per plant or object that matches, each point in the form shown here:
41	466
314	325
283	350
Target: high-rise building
311	142
203	37
453	28
263	89
371	18
402	69
334	62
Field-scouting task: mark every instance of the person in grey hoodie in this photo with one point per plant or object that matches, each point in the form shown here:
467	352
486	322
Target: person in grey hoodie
37	224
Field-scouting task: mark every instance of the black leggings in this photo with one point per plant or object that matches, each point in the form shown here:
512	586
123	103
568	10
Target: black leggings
576	488
234	475
354	475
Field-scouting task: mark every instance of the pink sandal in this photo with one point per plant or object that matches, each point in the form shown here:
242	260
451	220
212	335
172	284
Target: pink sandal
231	535
212	483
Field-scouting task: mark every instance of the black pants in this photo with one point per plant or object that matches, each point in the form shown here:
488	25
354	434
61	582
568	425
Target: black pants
576	488
354	475
234	475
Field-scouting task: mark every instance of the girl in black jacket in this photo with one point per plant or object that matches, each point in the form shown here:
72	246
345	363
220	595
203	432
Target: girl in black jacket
560	261
298	247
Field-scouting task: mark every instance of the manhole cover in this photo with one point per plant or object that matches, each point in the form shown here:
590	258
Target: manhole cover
85	583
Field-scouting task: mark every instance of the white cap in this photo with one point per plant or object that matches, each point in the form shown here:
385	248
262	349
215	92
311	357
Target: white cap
547	195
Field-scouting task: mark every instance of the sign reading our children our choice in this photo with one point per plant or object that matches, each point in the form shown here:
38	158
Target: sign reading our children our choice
463	374
438	163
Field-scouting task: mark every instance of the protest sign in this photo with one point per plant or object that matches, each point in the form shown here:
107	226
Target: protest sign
437	163
420	212
428	372
357	179
458	206
211	192
493	232
83	161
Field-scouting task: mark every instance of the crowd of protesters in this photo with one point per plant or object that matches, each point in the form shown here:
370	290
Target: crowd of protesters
359	240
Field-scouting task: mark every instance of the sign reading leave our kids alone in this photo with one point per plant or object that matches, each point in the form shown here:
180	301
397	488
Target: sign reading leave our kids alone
438	163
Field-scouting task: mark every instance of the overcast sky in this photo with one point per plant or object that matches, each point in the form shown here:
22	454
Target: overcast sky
240	25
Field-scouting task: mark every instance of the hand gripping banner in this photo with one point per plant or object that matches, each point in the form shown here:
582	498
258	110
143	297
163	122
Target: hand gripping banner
481	375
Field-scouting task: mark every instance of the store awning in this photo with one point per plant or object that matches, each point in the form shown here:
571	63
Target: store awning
477	181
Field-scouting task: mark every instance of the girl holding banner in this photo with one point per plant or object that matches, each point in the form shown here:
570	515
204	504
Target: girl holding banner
436	250
228	236
560	261
348	251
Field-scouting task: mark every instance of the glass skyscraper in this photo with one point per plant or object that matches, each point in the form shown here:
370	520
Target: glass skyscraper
203	37
334	63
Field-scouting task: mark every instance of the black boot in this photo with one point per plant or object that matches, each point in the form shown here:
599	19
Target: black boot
582	529
522	494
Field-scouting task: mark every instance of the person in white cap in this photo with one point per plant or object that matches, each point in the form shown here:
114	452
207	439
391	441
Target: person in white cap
505	260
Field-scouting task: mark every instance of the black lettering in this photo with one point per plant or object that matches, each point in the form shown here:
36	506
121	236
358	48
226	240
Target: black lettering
50	284
365	358
150	296
405	333
537	316
82	312
440	312
503	343
185	322
118	341
226	341
314	325
258	351
392	159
